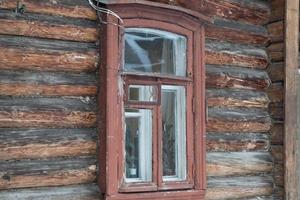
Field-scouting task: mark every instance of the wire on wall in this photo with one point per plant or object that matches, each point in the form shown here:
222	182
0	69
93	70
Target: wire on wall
96	4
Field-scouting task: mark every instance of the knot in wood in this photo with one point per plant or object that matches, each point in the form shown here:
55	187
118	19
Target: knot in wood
6	177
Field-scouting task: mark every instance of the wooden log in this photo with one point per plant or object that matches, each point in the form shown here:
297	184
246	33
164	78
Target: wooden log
48	78
257	12
279	175
275	93
46	45
46	55
238	164
235	77
224	53
47	119
276	52
237	98
277	134
276	111
74	192
276	71
45	27
278	193
238	120
233	142
238	187
46	143
75	8
236	32
46	90
277	10
28	83
276	31
39	173
277	152
38	103
16	59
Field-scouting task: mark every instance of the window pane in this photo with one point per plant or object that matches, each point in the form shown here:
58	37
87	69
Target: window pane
144	93
138	145
155	51
174	132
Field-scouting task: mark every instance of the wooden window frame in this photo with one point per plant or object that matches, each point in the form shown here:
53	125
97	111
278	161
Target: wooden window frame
143	14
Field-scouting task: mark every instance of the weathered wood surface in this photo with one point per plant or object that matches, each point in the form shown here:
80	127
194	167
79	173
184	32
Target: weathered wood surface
276	111
237	164
26	83
276	71
278	193
277	152
238	120
235	77
75	8
38	173
276	31
47	119
34	25
76	192
275	93
235	142
276	52
239	187
277	134
61	171
46	90
279	175
46	55
237	98
233	31
224	53
47	113
277	10
291	56
46	143
254	12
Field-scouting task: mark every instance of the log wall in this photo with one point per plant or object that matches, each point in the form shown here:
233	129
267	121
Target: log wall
276	91
48	112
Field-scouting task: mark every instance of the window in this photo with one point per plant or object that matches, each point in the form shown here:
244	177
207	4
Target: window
152	108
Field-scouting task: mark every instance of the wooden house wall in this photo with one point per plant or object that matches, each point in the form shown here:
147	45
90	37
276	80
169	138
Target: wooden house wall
48	112
276	91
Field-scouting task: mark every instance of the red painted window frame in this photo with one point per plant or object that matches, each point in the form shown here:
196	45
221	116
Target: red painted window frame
111	99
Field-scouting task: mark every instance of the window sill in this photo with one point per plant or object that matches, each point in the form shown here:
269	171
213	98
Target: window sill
170	195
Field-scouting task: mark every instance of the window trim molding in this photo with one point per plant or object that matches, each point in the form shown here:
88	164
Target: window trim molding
111	93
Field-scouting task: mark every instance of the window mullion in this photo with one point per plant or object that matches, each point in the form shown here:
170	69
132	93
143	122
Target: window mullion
159	147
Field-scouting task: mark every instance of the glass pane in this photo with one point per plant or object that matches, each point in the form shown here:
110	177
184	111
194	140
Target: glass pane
155	51
174	132
144	93
138	145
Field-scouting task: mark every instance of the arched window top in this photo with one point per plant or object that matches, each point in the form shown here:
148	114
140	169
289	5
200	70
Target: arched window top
123	9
